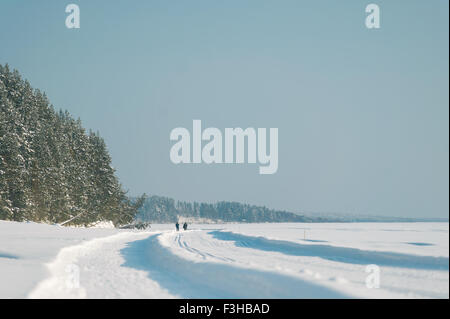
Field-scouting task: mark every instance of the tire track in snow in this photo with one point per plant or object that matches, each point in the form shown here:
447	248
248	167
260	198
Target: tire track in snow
204	255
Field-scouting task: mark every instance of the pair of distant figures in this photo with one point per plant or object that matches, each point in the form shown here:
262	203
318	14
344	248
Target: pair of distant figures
177	226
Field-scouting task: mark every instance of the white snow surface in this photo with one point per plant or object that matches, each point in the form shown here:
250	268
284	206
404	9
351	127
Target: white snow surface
287	260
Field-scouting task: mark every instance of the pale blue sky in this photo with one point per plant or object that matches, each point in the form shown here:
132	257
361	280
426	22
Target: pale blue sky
362	114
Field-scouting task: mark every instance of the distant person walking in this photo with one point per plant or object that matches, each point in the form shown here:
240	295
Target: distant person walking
185	226
177	226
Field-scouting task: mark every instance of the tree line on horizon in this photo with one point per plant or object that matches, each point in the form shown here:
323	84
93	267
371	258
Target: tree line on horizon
159	209
51	169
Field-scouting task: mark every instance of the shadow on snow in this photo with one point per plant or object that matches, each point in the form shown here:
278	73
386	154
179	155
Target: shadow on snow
9	256
189	279
339	254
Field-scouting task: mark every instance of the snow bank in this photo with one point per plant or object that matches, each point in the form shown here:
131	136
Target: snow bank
25	248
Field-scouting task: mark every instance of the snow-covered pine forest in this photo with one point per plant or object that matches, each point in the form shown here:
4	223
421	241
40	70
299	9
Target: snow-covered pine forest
51	169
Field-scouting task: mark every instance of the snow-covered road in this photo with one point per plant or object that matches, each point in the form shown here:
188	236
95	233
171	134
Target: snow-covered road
231	261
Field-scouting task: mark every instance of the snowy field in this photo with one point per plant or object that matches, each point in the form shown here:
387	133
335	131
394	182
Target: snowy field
225	261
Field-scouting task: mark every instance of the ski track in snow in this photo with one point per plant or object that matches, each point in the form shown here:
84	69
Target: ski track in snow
223	264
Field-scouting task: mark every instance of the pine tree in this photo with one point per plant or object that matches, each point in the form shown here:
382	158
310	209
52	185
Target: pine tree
50	169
